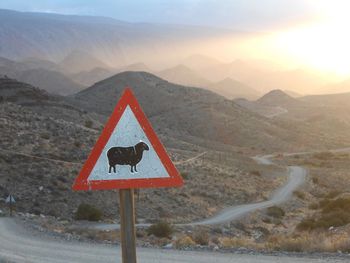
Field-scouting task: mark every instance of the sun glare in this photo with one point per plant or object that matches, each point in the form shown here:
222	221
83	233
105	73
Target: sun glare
323	45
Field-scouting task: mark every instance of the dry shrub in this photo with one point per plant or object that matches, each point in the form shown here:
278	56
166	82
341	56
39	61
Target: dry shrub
234	242
184	242
333	194
315	180
310	242
201	238
88	212
313	206
160	229
276	212
88	123
108	235
185	175
323	155
334	213
299	194
255	172
295	244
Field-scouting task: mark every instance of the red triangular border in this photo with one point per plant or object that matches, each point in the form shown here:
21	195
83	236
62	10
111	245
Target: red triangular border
174	179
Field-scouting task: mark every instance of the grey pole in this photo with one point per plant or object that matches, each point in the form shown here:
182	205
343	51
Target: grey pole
127	225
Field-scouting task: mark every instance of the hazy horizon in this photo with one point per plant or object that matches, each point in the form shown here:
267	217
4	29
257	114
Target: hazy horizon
297	34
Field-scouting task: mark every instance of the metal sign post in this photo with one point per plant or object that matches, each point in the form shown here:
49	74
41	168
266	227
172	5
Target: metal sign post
127	225
128	155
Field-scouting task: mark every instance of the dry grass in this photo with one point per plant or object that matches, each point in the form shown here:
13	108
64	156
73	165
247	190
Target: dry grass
240	242
311	242
201	237
184	241
299	194
305	242
97	235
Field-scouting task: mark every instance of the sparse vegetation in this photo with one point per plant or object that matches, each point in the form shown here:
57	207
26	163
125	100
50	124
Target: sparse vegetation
255	172
235	242
56	145
201	237
185	175
334	213
314	206
315	180
88	123
160	229
323	155
329	205
184	242
332	194
88	212
299	194
276	212
45	135
310	242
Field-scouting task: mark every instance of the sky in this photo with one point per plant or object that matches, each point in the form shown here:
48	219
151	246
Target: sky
250	15
311	33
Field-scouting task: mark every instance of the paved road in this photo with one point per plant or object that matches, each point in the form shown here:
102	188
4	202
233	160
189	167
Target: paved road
20	246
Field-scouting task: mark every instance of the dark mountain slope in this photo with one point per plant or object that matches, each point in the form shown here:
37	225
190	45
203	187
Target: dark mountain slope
35	73
42	102
184	112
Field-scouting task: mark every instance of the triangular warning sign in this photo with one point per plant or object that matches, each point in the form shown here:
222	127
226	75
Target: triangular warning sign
128	153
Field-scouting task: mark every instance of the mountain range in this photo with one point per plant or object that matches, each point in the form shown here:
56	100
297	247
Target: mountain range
38	74
179	53
117	43
49	136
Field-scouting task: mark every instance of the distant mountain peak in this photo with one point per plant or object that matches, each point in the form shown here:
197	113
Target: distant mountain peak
276	97
78	61
138	66
183	75
277	93
231	89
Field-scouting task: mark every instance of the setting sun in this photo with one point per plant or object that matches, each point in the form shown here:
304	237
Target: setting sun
322	45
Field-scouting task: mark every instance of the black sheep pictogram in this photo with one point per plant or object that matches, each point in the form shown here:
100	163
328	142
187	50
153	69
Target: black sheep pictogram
126	156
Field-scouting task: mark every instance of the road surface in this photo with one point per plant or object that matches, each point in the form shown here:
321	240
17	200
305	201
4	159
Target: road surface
17	245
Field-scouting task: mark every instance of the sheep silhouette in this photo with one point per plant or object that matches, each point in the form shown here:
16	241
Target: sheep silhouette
126	156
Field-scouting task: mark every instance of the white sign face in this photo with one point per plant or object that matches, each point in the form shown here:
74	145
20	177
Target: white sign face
128	154
10	199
